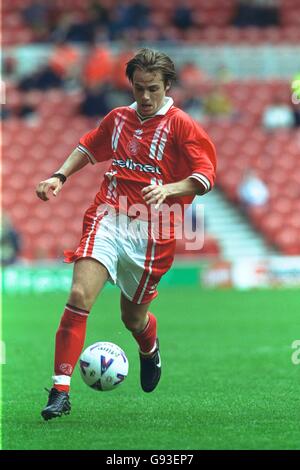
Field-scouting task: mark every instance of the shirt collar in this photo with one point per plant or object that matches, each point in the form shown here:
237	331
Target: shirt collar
162	111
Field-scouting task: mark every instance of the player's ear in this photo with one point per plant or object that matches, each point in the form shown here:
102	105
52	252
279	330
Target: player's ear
168	86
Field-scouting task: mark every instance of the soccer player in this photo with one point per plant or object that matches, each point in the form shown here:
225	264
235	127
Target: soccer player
159	156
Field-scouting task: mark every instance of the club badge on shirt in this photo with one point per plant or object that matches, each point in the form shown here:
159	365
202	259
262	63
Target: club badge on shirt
133	146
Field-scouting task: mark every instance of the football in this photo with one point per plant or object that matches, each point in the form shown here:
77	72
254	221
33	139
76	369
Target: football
103	366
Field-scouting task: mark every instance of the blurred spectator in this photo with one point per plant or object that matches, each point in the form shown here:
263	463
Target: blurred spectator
193	105
28	108
98	65
295	86
10	242
138	14
217	104
278	115
296	112
96	101
122	95
223	74
64	61
191	75
9	67
183	15
81	29
25	109
5	112
101	34
42	79
253	191
119	78
75	27
261	13
62	67
99	12
126	16
158	28
36	16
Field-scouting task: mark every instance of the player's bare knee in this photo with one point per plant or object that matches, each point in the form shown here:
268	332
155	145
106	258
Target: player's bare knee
127	322
80	298
132	323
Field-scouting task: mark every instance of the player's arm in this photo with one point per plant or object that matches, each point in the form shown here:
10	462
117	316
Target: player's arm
75	162
157	194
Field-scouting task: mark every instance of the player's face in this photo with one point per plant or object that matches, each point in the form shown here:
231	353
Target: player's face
149	91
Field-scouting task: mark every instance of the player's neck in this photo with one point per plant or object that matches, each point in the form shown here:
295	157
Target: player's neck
144	118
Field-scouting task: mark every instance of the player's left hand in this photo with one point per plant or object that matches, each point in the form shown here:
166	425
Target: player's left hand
155	194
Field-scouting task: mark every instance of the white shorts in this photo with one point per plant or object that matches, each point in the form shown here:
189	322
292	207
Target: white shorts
134	259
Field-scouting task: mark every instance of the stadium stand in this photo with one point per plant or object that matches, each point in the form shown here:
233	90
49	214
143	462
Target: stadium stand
210	22
242	145
32	148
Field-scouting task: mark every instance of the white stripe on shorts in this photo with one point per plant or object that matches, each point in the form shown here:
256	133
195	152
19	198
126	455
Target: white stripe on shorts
149	273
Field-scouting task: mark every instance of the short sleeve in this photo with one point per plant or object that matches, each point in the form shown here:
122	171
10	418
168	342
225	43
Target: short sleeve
96	144
198	151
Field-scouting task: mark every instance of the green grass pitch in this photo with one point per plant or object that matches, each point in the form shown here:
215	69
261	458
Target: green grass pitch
228	381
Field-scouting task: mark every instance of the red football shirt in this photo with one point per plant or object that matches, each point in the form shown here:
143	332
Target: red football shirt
165	148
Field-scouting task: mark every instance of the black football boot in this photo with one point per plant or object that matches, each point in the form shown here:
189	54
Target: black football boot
58	404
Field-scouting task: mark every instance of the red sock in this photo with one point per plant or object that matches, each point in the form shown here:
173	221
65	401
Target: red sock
70	338
146	339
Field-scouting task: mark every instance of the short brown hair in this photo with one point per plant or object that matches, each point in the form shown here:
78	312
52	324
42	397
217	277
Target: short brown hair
152	61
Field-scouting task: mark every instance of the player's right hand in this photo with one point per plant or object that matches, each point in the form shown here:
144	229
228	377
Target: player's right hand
51	184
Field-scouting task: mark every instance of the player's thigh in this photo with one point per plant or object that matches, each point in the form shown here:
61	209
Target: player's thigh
89	277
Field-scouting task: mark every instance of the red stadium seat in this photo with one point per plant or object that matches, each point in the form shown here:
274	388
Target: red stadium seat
281	206
257	215
271	224
288	241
